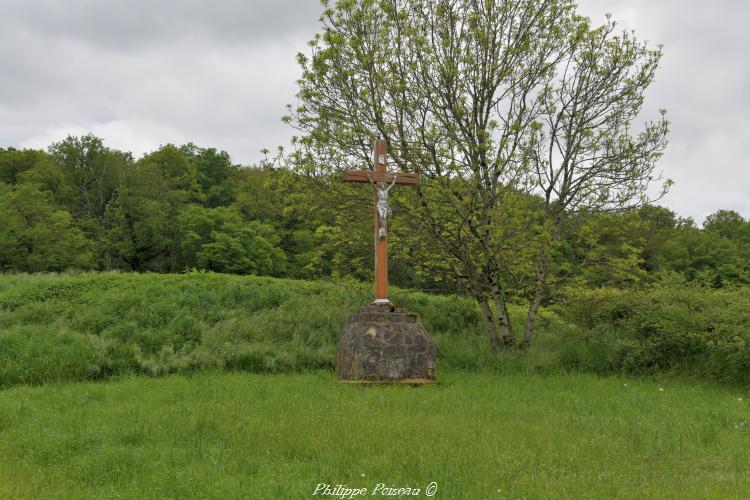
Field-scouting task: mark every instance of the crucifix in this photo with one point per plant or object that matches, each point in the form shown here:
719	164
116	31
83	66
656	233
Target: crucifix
383	181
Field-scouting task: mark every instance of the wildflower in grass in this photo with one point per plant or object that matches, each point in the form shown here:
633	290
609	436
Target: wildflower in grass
739	399
661	389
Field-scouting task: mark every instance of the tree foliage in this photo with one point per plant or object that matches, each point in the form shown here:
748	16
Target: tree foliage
35	236
484	100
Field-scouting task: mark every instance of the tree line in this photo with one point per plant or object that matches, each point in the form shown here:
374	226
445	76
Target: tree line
82	205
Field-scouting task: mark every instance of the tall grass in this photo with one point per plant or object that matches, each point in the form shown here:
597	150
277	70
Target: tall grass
96	325
92	325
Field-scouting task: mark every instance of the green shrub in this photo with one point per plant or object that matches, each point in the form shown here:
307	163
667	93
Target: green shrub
668	328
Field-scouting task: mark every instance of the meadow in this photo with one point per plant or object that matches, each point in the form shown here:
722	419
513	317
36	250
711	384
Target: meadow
476	435
213	386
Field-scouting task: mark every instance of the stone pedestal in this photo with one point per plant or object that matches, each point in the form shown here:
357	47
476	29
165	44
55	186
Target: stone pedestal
385	343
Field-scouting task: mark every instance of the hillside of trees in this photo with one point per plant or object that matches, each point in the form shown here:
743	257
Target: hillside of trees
82	205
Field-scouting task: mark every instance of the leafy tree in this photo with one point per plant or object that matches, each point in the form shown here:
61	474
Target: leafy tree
14	162
659	225
581	149
450	85
216	174
142	227
195	225
94	172
35	236
706	258
238	248
219	239
624	249
175	174
728	224
262	193
306	223
611	250
50	177
471	94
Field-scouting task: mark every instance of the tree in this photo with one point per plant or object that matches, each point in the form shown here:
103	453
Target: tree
447	85
141	221
659	227
14	162
37	237
218	239
611	251
238	248
729	224
460	89
309	227
216	174
93	170
706	257
50	177
582	153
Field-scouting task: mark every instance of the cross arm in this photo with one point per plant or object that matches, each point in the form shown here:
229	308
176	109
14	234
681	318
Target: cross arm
365	176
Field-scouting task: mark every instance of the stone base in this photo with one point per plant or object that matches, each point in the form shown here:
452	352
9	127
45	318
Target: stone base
414	382
385	343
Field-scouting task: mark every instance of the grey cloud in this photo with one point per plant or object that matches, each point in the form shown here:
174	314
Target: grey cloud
130	25
142	73
216	73
702	82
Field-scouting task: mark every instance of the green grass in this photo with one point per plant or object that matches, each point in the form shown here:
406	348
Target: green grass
92	326
480	435
247	406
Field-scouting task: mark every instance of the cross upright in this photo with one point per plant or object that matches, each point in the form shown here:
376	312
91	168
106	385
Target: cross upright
380	178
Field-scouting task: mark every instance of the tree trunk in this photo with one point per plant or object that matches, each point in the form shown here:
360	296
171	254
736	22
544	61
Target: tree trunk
506	329
501	311
490	321
536	301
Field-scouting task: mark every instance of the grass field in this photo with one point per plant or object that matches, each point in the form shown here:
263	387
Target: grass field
240	402
278	436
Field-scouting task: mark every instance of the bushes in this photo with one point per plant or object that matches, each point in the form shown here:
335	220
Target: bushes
85	326
671	327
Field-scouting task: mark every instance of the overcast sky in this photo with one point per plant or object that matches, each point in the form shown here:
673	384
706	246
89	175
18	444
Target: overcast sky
141	73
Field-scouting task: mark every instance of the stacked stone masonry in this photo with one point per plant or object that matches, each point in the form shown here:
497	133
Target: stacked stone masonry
385	343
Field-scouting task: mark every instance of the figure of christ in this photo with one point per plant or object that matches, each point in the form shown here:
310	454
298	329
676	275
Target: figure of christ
384	211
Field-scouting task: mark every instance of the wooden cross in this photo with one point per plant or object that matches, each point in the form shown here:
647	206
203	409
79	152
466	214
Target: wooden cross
379	175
